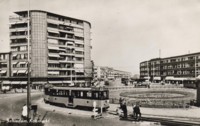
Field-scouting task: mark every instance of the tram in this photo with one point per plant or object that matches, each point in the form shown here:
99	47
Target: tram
77	96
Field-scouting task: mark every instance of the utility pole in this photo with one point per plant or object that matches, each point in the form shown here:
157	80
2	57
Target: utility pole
28	83
195	67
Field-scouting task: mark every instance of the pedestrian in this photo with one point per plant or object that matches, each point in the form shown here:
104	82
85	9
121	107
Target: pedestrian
120	102
137	112
24	112
134	114
124	108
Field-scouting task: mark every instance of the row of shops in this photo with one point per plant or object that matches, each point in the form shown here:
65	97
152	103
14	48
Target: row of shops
38	84
170	79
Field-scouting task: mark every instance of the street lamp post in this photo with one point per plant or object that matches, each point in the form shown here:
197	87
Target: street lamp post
28	83
195	67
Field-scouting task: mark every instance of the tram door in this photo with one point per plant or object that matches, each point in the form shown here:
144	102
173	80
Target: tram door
71	97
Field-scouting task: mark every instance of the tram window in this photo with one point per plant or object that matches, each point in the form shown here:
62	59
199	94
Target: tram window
105	95
89	94
76	94
95	95
66	93
53	92
61	93
81	93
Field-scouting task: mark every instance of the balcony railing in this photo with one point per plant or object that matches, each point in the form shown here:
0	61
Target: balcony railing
63	23
18	36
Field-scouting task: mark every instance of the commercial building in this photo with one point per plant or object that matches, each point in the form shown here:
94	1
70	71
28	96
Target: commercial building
60	49
172	69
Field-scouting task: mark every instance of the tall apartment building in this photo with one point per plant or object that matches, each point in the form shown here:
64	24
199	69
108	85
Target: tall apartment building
176	67
60	48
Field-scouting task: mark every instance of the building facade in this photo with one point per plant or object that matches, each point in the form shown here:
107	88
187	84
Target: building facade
102	72
171	68
5	64
59	49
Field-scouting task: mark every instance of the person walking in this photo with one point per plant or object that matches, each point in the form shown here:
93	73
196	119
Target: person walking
120	102
24	112
134	114
124	108
137	112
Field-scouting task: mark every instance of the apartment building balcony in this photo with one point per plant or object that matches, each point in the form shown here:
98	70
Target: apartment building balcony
17	20
18	37
54	61
79	55
60	38
71	47
66	69
79	49
77	61
18	44
52	30
78	34
67	39
66	61
53	47
63	23
79	42
53	68
65	31
55	55
53	73
3	71
17	71
66	54
3	60
18	29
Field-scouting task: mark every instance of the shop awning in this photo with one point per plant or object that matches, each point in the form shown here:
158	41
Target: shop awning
14	63
21	71
4	63
79	70
198	77
15	82
23	82
169	78
39	82
55	82
14	71
14	55
6	82
157	78
180	79
146	77
53	47
66	82
53	72
3	72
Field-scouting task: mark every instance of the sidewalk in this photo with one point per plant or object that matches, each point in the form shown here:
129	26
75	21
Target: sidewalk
190	115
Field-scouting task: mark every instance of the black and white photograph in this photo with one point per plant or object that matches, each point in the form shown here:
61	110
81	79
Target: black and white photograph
99	62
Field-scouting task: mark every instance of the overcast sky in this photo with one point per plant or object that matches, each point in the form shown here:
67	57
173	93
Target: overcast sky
124	32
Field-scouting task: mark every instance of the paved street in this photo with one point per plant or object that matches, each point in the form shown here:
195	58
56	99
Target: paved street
11	106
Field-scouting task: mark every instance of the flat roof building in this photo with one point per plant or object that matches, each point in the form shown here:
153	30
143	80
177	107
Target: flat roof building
181	67
60	48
